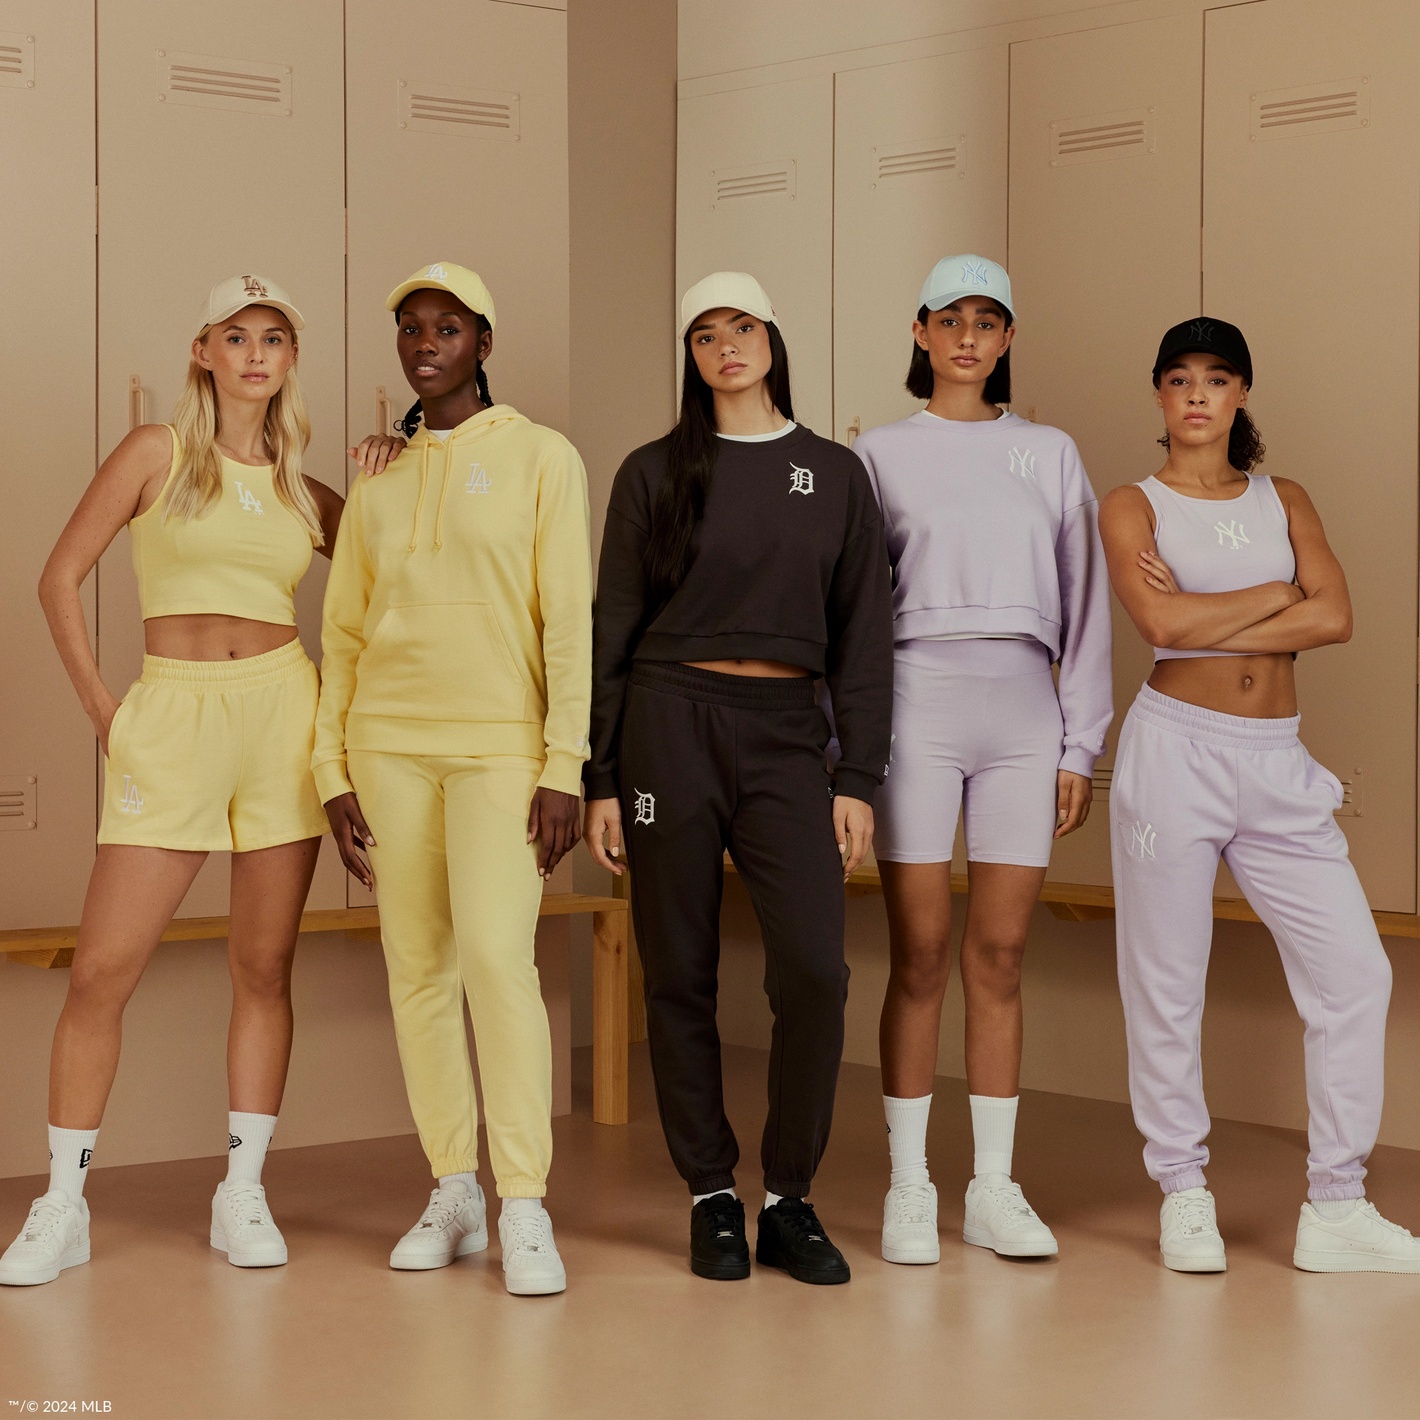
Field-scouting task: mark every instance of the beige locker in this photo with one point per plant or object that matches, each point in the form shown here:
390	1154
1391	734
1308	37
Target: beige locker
919	174
47	763
1312	227
754	192
221	151
1106	134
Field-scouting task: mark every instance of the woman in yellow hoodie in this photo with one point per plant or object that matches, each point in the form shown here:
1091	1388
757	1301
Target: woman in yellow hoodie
452	728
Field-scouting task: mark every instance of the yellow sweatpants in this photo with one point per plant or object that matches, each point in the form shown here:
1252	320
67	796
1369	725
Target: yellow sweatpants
459	894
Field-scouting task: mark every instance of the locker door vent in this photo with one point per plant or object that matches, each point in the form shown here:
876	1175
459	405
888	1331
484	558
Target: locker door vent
755	180
939	155
1098	137
1350	796
210	81
1101	781
19	801
17	60
1315	108
471	113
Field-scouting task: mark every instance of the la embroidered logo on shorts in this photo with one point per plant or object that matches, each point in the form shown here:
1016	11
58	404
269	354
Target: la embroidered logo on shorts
645	807
478	480
801	480
250	503
130	801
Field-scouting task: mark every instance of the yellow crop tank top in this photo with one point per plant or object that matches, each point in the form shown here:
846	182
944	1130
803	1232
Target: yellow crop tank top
244	557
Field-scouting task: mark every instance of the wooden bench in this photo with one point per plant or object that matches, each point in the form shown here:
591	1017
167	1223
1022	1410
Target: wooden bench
614	983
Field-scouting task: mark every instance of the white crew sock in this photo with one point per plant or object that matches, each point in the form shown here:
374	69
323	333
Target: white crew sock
522	1205
69	1153
907	1138
469	1181
993	1127
1335	1208
701	1197
247	1138
770	1199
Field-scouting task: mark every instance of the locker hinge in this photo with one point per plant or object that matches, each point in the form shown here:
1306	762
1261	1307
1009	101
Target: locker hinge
347	231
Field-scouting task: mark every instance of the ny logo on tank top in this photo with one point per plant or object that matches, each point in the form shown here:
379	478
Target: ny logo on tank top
1231	529
1023	463
478	480
249	501
1141	839
645	807
130	801
801	480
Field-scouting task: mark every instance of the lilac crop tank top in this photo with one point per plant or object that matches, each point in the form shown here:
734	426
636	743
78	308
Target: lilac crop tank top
1224	545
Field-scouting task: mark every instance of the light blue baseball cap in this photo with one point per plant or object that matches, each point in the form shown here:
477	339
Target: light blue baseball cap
956	276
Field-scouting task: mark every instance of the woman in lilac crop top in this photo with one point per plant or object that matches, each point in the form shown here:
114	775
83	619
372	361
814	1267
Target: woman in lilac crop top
1228	574
997	574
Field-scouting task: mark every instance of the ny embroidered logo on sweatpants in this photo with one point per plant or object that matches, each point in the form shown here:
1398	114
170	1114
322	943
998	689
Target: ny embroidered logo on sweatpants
130	801
645	807
1141	839
249	501
478	480
1231	529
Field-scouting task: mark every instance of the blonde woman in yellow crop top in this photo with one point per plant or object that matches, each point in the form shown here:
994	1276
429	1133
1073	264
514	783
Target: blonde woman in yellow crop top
209	750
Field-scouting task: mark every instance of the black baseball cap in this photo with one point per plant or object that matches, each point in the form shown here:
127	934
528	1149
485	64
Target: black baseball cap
1206	336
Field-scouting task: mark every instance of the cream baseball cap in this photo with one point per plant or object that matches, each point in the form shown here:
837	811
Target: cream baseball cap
448	276
724	288
236	293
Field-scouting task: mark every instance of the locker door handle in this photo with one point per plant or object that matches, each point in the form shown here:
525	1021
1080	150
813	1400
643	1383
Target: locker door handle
383	411
854	429
137	402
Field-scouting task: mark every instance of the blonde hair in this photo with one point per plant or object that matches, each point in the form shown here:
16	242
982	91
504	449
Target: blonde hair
198	483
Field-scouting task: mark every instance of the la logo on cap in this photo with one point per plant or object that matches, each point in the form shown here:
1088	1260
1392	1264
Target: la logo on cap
437	273
253	286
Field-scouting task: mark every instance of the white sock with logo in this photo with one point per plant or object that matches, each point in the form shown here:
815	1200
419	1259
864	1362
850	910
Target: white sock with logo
247	1138
1336	1208
993	1127
907	1138
469	1181
69	1153
701	1197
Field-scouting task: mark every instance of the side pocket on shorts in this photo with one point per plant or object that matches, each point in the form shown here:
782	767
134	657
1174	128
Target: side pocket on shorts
120	715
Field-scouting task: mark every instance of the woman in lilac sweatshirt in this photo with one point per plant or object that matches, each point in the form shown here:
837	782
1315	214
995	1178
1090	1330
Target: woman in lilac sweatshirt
998	573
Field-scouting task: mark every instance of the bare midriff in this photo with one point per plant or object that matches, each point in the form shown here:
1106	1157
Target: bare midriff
209	637
772	670
1261	687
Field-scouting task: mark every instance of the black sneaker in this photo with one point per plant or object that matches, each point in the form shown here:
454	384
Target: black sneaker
791	1237
718	1249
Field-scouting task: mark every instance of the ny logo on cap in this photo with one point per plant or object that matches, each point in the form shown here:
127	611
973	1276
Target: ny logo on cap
252	286
974	272
1201	330
437	273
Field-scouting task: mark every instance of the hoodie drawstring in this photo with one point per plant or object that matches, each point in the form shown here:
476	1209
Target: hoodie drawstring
443	493
419	505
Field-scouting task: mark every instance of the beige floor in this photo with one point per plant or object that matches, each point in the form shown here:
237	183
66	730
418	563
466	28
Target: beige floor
160	1326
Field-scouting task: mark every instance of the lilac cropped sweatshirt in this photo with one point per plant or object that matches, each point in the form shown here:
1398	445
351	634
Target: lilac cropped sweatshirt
993	531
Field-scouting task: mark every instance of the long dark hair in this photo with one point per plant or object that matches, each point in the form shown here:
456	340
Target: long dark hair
1245	447
690	465
410	422
920	379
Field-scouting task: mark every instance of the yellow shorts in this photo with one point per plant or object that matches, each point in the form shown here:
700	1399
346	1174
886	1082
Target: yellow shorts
215	755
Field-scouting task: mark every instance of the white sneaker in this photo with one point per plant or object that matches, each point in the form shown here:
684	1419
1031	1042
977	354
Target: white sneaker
55	1236
453	1225
243	1228
998	1217
532	1265
1362	1241
910	1223
1188	1232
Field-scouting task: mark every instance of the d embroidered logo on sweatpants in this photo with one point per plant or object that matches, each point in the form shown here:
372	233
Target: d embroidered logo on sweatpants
645	807
801	480
249	501
1141	839
478	480
130	801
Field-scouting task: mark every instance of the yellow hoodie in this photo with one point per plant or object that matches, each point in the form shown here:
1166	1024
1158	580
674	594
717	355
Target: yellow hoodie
458	615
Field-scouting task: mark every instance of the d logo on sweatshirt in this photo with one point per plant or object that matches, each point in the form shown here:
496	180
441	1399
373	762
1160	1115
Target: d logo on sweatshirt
801	480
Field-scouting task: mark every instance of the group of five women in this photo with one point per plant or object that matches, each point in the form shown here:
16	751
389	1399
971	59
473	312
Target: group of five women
788	636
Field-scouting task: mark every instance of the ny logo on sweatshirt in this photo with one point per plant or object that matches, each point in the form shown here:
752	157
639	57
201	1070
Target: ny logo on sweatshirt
645	807
1141	839
1233	530
478	480
801	480
130	801
1023	463
249	501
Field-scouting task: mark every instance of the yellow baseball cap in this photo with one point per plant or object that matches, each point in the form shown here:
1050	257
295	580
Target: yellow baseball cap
724	288
447	276
236	293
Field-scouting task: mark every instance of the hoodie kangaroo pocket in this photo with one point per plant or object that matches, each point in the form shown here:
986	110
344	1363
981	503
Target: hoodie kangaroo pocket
439	661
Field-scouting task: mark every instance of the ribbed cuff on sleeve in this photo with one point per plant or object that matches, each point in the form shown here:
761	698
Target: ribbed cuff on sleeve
854	784
332	780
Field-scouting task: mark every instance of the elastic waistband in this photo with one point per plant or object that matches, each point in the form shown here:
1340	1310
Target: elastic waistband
745	692
245	674
1212	726
978	656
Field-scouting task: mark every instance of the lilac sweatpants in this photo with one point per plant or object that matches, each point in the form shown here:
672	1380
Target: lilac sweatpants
1190	784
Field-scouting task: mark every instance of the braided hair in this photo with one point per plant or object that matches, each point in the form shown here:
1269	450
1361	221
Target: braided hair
411	421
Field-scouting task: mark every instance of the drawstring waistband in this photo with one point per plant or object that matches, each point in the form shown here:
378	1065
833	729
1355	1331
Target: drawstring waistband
244	674
744	692
1212	727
